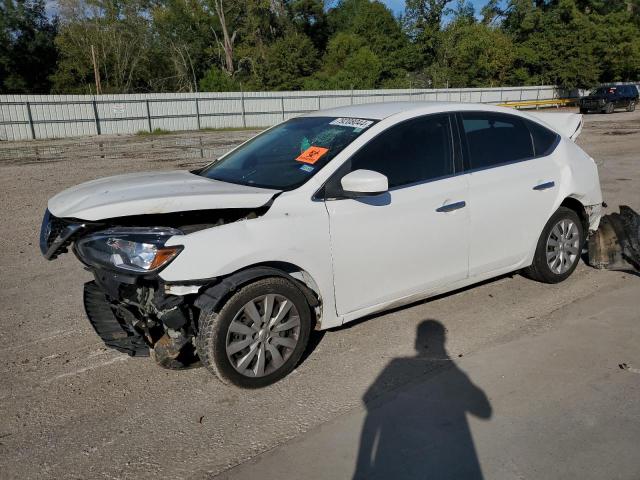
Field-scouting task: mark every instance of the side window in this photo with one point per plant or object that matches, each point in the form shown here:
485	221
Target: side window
495	138
411	152
544	140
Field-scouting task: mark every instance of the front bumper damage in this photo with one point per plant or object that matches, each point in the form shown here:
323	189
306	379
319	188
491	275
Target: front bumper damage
138	317
616	243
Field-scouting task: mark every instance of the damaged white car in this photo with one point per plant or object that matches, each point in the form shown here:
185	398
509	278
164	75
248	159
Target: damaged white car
320	220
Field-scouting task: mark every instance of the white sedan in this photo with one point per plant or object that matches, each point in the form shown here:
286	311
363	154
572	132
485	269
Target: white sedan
320	220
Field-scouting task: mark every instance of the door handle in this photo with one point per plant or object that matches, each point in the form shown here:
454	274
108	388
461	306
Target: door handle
450	207
545	186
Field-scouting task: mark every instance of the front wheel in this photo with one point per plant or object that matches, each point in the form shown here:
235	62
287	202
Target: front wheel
609	108
631	107
558	249
258	336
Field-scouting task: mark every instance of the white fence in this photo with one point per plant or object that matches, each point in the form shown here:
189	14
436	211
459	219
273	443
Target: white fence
24	117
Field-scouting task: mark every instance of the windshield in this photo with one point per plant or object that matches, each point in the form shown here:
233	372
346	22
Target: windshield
603	90
288	155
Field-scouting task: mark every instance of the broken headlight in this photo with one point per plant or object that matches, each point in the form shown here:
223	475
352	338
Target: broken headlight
138	250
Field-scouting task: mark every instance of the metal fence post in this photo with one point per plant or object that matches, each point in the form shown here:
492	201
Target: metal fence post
244	118
480	96
318	102
148	116
96	118
351	94
197	113
538	99
33	130
282	107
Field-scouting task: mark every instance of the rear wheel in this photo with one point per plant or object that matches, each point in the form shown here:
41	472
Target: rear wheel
609	108
258	336
632	106
584	111
558	249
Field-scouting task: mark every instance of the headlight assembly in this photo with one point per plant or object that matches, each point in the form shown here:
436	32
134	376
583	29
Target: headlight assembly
138	250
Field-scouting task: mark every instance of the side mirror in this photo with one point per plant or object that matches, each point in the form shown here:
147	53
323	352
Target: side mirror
361	183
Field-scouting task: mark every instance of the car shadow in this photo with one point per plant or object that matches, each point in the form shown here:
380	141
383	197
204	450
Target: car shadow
421	432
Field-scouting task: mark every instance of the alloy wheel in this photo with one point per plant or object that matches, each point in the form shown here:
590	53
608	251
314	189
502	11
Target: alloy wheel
563	246
263	335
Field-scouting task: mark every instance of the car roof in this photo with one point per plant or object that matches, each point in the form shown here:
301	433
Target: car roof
382	110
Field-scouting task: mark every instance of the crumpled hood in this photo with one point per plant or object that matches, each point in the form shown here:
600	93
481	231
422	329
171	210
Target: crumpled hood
152	193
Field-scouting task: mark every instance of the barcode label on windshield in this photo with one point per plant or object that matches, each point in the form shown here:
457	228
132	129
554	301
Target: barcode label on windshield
352	122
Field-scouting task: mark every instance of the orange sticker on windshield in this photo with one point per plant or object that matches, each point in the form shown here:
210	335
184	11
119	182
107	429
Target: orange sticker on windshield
312	154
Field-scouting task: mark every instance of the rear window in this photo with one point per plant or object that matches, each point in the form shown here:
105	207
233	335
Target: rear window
544	140
495	138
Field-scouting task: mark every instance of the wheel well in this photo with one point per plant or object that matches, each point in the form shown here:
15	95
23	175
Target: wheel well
219	292
577	207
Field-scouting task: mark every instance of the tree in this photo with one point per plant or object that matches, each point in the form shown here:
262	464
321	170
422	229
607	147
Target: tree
184	32
228	39
121	35
555	43
348	63
471	55
217	80
27	51
287	62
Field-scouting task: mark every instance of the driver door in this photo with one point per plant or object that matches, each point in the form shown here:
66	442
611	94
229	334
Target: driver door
412	239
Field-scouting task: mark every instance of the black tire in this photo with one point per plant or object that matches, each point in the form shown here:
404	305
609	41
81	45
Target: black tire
539	269
609	108
632	106
584	111
211	342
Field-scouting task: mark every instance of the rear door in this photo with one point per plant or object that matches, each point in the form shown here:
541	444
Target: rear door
410	240
513	185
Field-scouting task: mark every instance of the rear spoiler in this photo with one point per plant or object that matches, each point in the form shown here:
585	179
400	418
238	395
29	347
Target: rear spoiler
567	124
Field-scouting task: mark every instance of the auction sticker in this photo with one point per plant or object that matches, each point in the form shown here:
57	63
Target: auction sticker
312	154
352	122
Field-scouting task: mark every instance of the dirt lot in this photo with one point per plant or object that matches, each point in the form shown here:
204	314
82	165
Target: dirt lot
70	408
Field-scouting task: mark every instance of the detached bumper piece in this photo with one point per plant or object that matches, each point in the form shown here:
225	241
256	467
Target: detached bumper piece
616	243
116	333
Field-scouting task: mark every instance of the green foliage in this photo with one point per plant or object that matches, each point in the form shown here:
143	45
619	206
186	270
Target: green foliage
154	132
471	55
287	61
27	52
225	45
122	41
215	80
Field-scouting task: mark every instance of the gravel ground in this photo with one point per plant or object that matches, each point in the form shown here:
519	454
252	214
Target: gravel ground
71	408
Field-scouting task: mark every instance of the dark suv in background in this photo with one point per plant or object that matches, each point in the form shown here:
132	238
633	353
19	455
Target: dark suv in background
607	99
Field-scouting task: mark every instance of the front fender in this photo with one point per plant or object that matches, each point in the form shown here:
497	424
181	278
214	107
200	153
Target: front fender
288	233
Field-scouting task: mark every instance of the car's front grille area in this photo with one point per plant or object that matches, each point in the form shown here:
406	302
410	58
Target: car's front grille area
57	226
56	234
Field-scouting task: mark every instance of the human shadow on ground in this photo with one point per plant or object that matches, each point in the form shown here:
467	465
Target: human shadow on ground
421	432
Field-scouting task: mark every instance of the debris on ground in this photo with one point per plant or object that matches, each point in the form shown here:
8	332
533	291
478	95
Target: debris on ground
616	243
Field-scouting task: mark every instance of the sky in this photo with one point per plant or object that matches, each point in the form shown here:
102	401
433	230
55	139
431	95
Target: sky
398	5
